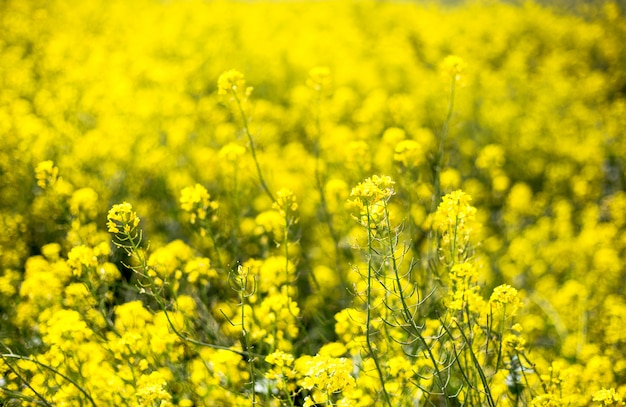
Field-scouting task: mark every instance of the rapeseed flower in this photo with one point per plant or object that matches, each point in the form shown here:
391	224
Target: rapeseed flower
121	219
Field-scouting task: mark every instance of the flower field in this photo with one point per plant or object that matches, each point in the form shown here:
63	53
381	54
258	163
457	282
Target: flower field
329	203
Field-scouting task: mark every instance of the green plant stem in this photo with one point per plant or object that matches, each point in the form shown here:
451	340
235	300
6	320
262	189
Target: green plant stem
476	363
368	322
53	370
143	265
23	380
244	337
408	317
246	130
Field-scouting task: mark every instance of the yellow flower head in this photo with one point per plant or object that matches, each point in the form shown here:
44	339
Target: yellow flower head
151	390
122	219
82	258
196	201
369	199
280	358
513	343
327	374
319	78
286	205
231	152
409	153
453	66
84	202
374	189
607	397
455	220
46	174
233	83
505	299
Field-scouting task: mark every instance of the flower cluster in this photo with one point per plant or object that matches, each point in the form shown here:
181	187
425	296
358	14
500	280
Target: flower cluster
196	201
455	221
368	199
122	220
232	83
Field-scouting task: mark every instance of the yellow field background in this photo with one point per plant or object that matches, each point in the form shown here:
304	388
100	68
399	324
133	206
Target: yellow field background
292	246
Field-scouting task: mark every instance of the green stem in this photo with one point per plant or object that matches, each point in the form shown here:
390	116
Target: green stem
23	380
476	363
246	130
244	335
368	324
408	317
53	370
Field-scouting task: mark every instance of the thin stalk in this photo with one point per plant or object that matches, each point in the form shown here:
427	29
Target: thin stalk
483	379
23	380
408	317
53	370
246	130
143	265
368	325
244	337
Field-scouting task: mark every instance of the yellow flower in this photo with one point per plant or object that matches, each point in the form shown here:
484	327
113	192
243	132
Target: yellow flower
232	82
46	174
514	343
286	205
326	374
374	189
453	66
231	152
319	78
608	397
151	390
455	220
409	153
122	219
84	202
196	201
505	299
82	258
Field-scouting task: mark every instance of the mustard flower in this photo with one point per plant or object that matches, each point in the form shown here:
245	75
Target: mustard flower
286	205
546	400
82	258
372	190
455	220
196	201
66	329
46	174
51	251
84	201
504	299
326	376
282	368
233	83
231	152
409	153
151	391
319	78
453	66
608	397
464	288
122	219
